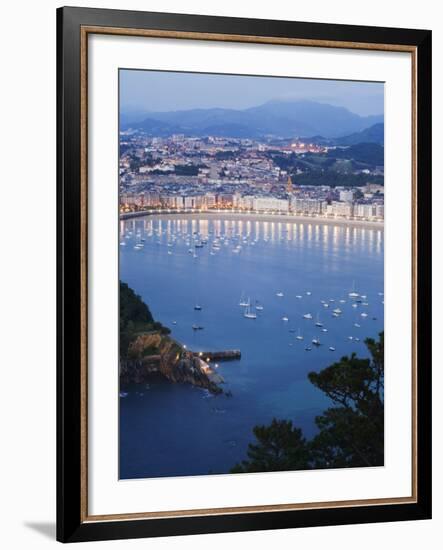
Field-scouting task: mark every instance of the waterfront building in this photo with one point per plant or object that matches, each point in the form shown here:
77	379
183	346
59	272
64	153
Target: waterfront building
340	209
346	195
270	203
302	205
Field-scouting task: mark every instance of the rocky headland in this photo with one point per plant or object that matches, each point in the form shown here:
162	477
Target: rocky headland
147	350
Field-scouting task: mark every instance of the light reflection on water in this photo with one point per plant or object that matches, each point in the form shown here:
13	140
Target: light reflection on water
179	430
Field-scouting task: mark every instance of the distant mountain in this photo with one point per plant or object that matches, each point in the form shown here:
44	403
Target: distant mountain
129	116
373	134
278	118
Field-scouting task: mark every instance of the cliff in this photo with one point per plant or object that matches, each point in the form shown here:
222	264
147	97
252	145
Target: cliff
155	353
147	349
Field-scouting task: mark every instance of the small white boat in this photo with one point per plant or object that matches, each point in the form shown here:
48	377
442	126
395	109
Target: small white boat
337	310
325	305
308	293
316	341
122	243
363	314
280	294
354	305
243	302
174	322
286	319
298	297
324	330
299	336
353	293
249	314
318	323
331	348
307	316
357	325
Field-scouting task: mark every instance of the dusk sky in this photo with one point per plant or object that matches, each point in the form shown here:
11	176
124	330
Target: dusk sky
172	91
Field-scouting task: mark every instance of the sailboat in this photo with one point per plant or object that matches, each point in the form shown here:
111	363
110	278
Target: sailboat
318	323
258	306
243	302
307	316
249	314
353	293
299	336
316	341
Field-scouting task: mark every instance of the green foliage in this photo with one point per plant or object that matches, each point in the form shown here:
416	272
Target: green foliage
280	447
369	153
337	167
132	307
135	318
334	179
351	433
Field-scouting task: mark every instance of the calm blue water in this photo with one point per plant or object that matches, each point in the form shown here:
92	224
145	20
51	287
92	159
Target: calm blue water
176	430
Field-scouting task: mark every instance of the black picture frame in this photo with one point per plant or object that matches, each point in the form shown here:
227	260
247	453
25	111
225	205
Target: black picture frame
71	524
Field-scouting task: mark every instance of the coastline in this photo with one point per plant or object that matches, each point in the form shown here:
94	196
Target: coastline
224	214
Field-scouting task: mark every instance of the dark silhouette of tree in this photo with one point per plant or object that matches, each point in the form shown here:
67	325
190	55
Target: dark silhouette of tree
280	447
351	433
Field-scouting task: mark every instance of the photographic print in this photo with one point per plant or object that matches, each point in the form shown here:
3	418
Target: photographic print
224	256
251	260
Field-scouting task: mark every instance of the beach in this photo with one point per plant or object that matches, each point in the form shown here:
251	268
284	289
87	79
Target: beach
253	216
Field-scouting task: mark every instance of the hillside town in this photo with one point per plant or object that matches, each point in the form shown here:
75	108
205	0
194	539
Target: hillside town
274	176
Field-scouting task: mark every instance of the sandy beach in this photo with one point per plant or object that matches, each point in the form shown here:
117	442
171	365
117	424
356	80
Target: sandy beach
281	218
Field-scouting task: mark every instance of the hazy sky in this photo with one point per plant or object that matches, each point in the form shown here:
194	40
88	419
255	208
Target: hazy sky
172	91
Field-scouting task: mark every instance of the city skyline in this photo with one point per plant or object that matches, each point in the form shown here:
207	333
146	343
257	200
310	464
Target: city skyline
156	91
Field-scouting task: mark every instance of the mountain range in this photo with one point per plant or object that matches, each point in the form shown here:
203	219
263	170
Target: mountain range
284	119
